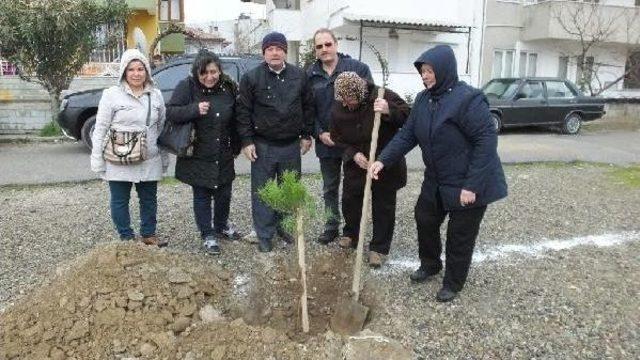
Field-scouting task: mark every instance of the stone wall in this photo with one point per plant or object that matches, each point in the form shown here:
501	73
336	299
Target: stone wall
24	106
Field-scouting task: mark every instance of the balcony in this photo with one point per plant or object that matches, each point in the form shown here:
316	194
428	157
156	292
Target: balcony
544	21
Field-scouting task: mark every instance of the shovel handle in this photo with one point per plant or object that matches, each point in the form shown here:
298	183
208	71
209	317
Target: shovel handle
365	203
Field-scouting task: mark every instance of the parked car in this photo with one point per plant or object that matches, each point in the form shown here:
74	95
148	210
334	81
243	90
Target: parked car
78	110
540	101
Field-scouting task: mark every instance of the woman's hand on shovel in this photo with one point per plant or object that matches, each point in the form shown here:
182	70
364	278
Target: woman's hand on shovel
375	169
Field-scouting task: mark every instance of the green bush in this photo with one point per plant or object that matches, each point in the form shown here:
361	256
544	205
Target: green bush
51	129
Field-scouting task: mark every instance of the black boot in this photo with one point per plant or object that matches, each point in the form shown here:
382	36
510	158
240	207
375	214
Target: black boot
422	274
285	236
327	236
265	245
445	294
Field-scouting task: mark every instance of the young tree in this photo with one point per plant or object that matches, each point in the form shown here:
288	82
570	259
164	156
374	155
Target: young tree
291	198
49	41
593	25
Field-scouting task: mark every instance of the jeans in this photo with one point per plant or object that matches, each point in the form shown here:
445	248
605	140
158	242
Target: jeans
272	161
330	169
462	230
147	195
202	197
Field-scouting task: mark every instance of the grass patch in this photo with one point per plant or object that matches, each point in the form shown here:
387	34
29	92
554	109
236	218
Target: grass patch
51	129
629	176
558	164
169	180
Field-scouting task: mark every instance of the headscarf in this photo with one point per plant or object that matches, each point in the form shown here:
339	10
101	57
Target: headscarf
349	84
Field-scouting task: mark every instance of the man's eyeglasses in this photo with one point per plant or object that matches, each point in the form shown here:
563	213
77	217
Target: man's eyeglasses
328	45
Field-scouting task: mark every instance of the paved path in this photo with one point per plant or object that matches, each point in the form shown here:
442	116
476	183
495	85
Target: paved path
40	163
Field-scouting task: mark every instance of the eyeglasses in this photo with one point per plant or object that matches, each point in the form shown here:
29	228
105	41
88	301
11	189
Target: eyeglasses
328	45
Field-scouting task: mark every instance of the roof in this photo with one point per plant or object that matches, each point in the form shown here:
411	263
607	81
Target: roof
383	20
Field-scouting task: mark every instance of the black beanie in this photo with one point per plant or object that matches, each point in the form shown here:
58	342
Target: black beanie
274	39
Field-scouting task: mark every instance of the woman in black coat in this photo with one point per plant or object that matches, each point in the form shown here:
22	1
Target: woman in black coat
207	98
451	123
351	125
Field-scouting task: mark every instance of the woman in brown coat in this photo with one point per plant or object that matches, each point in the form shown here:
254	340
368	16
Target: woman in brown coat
351	125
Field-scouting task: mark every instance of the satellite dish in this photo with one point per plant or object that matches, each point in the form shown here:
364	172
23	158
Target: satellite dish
140	40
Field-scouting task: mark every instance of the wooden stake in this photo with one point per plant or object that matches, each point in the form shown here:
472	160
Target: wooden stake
303	273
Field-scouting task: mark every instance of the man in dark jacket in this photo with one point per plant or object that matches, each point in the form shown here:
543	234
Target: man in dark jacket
322	75
275	118
451	123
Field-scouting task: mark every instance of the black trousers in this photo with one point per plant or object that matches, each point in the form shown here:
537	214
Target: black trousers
383	209
462	231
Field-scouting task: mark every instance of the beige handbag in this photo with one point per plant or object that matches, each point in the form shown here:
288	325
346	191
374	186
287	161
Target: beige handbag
127	147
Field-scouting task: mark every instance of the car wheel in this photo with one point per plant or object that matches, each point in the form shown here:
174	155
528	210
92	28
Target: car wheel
87	130
572	124
497	122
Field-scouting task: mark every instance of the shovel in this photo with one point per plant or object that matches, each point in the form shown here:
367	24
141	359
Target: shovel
350	315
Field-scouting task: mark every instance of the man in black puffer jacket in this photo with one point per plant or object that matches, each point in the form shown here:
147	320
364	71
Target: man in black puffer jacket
275	118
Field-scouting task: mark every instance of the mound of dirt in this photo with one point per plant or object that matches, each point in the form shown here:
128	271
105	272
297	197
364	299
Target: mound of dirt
128	301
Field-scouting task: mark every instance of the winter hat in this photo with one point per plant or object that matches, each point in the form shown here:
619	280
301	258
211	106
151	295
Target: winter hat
274	39
349	84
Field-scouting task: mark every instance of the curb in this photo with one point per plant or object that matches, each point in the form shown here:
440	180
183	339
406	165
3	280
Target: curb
29	139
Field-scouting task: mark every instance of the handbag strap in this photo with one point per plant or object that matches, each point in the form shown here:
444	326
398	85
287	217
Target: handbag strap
148	109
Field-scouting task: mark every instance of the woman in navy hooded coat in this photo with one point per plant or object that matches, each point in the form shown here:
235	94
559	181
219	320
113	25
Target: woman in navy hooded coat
451	123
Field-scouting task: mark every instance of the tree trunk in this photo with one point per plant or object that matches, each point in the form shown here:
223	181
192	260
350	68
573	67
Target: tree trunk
54	99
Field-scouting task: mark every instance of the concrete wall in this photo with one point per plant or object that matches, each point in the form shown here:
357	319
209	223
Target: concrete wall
622	112
24	107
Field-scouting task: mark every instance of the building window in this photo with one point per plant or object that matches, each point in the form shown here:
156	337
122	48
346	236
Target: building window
175	10
502	63
632	71
527	64
563	67
171	10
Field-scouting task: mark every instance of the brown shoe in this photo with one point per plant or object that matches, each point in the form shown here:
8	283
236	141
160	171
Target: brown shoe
345	242
376	259
150	240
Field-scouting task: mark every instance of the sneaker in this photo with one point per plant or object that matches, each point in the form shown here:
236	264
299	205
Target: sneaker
376	259
445	295
150	240
265	245
327	236
211	245
346	242
229	233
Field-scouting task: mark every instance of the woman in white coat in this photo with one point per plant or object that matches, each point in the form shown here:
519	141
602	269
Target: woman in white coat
125	107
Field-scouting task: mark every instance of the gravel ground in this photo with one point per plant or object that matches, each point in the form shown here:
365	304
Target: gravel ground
579	302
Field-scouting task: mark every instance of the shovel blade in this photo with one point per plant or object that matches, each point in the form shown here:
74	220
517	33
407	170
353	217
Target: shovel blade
348	317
